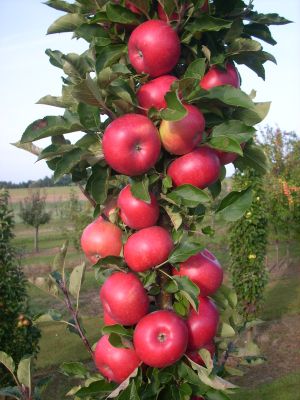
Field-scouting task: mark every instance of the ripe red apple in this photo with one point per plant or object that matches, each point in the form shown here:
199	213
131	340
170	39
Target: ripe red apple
136	213
200	168
181	137
108	320
202	325
152	93
147	248
154	48
218	77
101	239
227	157
131	144
124	298
160	338
195	356
204	270
115	363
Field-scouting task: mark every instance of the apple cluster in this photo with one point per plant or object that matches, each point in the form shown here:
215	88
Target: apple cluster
132	144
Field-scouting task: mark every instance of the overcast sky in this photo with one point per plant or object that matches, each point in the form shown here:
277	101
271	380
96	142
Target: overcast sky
26	76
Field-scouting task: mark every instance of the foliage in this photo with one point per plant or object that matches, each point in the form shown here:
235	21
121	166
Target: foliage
17	334
99	86
75	216
248	247
39	183
33	212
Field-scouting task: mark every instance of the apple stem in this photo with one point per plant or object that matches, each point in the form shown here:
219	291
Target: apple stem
164	299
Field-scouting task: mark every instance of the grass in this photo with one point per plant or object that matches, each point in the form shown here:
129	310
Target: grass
285	388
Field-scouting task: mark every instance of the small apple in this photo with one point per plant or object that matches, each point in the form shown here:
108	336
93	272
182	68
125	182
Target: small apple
152	93
202	325
181	137
124	298
101	239
131	144
218	77
195	356
136	213
199	168
154	48
204	270
115	363
160	338
147	248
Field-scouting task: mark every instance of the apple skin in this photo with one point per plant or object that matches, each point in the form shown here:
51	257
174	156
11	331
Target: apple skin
154	48
147	248
202	326
108	320
199	168
218	77
152	93
115	363
181	137
101	239
124	298
131	144
136	213
195	356
204	270
160	338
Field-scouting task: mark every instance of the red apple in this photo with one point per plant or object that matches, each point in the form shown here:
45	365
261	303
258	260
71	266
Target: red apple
136	213
181	137
204	270
101	239
195	356
108	320
202	325
152	93
124	298
227	157
218	77
147	248
115	363
154	48
199	168
131	144
160	338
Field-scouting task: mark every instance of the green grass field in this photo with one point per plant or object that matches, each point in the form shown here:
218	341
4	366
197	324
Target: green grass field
58	344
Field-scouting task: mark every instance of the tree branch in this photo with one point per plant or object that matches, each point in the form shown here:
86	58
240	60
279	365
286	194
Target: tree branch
87	195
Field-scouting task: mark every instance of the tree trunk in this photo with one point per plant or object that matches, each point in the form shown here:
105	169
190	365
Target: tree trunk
36	239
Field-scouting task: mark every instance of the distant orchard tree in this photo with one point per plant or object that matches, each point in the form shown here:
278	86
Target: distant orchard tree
33	212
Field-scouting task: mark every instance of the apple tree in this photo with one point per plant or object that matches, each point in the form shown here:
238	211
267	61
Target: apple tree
157	98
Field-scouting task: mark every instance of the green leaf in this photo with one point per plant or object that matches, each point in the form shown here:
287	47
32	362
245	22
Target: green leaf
87	91
235	129
253	116
260	31
206	357
188	290
241	45
93	33
7	361
67	163
99	181
254	157
89	116
30	147
66	23
206	23
96	388
55	57
109	55
226	331
118	330
118	14
59	259
74	369
62	5
11	392
230	96
24	372
175	110
188	195
110	260
226	143
140	188
268	19
76	279
184	250
51	126
196	69
125	385
213	394
174	216
235	204
54	150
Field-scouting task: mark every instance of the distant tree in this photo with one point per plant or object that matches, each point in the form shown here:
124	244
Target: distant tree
33	212
18	336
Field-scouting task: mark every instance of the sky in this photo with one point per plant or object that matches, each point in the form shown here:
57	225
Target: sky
26	76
